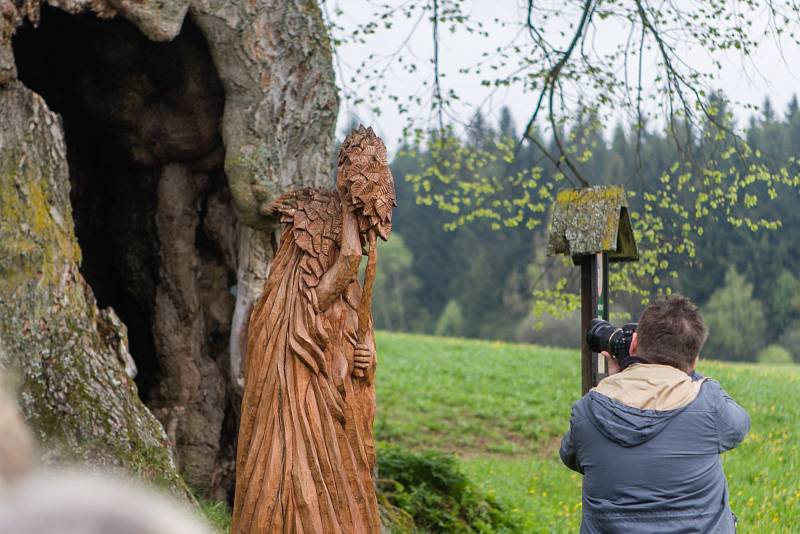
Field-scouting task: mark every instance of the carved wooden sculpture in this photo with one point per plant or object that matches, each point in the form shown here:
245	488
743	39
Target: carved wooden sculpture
306	454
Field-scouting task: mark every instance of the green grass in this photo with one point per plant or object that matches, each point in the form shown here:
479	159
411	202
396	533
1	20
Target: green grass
502	409
472	397
217	514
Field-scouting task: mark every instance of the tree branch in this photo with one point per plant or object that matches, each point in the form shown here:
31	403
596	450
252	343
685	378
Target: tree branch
549	89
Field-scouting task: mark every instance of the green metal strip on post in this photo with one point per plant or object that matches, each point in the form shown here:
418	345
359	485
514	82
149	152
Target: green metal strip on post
600	367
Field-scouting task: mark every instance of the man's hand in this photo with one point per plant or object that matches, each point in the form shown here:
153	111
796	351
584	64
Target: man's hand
362	359
612	363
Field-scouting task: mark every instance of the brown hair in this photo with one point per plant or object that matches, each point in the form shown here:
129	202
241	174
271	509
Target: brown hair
671	332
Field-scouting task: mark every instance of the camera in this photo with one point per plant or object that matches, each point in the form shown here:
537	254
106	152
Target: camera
604	336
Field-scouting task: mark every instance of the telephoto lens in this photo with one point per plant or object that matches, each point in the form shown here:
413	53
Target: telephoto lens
599	335
603	336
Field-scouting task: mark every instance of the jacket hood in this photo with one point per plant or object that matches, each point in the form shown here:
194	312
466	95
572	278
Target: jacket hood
635	405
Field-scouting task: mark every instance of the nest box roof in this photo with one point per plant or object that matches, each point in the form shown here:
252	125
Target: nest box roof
589	220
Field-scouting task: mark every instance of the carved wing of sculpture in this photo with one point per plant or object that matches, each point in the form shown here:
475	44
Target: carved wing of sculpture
315	219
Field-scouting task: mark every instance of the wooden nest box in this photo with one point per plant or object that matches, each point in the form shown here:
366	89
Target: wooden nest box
591	220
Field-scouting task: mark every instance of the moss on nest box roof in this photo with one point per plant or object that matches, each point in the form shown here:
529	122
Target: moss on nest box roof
592	219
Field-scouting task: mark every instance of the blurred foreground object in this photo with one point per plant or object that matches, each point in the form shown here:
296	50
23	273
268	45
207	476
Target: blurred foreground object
83	503
16	444
34	501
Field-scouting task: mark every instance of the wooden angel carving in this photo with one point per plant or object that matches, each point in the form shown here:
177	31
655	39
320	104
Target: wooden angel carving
306	454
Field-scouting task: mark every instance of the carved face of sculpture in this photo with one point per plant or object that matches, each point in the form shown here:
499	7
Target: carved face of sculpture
367	181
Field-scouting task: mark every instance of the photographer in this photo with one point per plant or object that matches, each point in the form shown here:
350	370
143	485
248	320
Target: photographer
648	438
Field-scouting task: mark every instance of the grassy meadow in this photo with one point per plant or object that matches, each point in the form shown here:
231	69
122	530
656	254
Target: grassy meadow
501	408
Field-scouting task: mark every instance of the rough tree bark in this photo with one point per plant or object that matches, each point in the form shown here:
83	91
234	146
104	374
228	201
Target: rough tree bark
75	392
176	122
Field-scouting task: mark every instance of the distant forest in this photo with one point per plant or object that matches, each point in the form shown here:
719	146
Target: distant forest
478	282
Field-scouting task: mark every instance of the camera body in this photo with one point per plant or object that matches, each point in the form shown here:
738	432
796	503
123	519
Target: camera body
603	336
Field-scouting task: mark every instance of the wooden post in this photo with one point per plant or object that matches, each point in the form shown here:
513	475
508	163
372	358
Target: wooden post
588	307
594	303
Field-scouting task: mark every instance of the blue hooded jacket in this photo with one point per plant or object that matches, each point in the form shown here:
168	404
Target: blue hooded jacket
648	442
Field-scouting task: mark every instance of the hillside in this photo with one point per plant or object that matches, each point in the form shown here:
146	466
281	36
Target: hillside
502	409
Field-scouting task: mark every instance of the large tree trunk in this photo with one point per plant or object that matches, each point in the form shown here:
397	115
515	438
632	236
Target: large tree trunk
132	218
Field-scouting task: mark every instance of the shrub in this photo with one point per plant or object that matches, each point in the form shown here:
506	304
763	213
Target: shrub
451	321
735	320
790	339
784	301
432	489
774	354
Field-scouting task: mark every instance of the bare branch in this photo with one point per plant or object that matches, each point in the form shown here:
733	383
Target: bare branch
550	84
437	86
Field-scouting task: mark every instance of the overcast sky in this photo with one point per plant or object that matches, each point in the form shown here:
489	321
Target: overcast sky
773	72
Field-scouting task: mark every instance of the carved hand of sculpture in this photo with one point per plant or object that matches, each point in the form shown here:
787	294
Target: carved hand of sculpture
363	358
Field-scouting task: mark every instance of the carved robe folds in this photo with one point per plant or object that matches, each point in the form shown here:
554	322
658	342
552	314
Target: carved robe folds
306	454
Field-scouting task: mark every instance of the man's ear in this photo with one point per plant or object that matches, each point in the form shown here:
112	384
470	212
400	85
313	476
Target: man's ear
634	344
